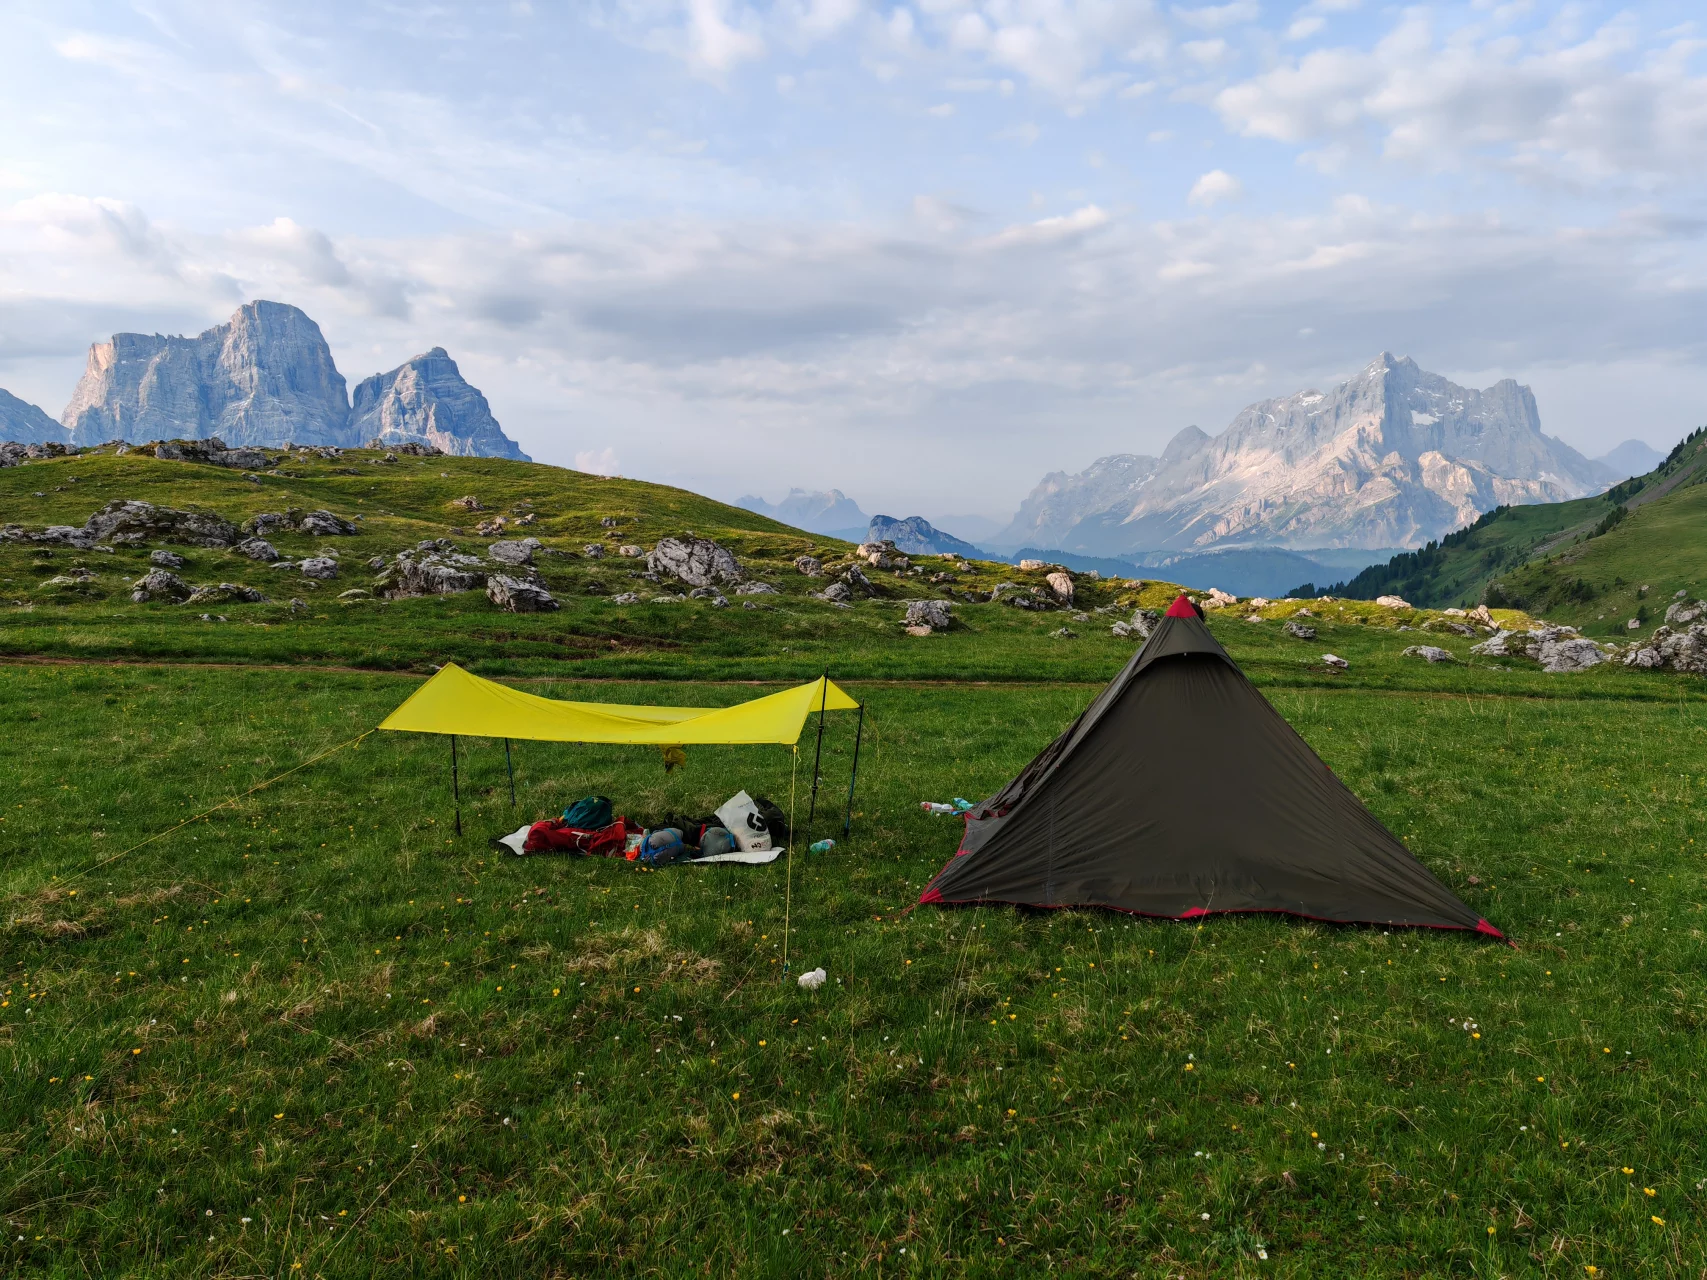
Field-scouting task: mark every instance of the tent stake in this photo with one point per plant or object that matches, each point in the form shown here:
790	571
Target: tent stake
818	756
455	785
847	824
512	769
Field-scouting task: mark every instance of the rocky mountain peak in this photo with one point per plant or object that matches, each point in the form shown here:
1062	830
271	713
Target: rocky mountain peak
21	421
1392	456
426	400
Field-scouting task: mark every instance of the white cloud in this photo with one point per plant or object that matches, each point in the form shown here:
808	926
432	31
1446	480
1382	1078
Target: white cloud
1305	25
1213	187
602	462
1049	230
1221	16
1582	112
718	44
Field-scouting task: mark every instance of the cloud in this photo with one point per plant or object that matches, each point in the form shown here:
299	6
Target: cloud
716	43
602	462
1213	187
1600	107
1219	17
1049	230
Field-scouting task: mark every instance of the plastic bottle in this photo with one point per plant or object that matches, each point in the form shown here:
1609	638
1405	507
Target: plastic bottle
962	805
932	806
821	846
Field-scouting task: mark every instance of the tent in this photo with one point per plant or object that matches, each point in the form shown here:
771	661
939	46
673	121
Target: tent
1180	792
459	704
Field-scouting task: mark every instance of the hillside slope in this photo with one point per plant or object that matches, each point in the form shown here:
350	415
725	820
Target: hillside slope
1459	569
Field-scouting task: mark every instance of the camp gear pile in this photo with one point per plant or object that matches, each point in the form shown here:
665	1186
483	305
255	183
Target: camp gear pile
1181	792
588	827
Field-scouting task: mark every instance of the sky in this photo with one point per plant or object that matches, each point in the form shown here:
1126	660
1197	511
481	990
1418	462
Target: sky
922	252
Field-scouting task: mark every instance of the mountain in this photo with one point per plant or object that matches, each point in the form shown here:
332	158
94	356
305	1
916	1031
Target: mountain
1515	553
264	377
831	512
916	536
22	421
1632	458
267	377
1393	456
426	401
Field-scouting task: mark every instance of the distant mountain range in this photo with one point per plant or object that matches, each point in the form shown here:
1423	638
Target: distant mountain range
829	512
265	377
916	536
1393	456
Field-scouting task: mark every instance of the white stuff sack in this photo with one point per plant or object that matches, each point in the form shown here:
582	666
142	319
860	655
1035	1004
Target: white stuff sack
745	822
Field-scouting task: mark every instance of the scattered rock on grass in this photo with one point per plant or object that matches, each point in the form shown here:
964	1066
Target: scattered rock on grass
129	521
917	630
159	584
629	551
1335	662
1299	630
1431	652
929	614
257	549
514	551
1392	602
322	567
519	596
1573	653
166	559
811	566
756	589
699	562
430	570
1061	583
226	593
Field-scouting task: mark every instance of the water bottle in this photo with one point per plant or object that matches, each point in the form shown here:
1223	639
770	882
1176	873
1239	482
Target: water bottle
821	846
932	806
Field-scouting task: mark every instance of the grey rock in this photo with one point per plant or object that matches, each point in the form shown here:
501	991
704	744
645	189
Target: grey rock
935	614
430	572
811	566
853	577
1569	654
756	589
1299	630
1144	622
630	552
268	522
594	551
213	451
699	562
707	593
1121	629
1031	603
1334	661
356	593
264	377
518	596
1061	583
514	551
1667	649
1504	644
838	593
1682	613
323	524
226	593
258	549
323	567
626	597
1065	634
1430	652
425	402
131	521
376	562
166	559
159	584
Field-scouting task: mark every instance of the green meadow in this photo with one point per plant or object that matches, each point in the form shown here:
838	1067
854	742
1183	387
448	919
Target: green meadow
266	1014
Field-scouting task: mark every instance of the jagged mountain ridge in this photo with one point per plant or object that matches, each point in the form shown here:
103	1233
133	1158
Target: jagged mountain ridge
426	401
830	511
23	422
916	536
1393	456
267	377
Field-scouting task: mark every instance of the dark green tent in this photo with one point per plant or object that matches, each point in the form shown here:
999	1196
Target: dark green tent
1181	792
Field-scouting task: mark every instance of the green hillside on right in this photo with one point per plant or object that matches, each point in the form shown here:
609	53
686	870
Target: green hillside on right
1595	562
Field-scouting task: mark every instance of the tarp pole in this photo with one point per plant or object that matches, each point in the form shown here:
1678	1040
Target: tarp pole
859	733
788	853
508	764
818	756
455	785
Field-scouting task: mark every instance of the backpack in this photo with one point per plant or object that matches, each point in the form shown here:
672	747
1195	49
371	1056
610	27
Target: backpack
589	814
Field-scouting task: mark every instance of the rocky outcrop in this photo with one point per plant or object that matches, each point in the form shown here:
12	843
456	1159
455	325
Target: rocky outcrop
1669	650
258	549
811	566
159	584
1393	456
21	421
264	377
934	614
433	568
1429	652
213	451
226	593
1299	630
518	595
425	401
324	568
514	551
131	521
699	562
1557	649
317	524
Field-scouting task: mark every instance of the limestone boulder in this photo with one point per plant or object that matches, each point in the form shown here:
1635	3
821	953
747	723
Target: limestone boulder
517	595
935	614
514	551
130	521
159	584
698	562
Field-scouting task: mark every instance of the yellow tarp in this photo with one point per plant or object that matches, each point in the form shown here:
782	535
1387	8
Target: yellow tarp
454	701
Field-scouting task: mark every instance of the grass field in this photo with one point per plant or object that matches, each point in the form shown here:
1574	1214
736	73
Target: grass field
316	1033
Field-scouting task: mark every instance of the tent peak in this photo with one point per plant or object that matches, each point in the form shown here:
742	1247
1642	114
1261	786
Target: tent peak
1182	607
